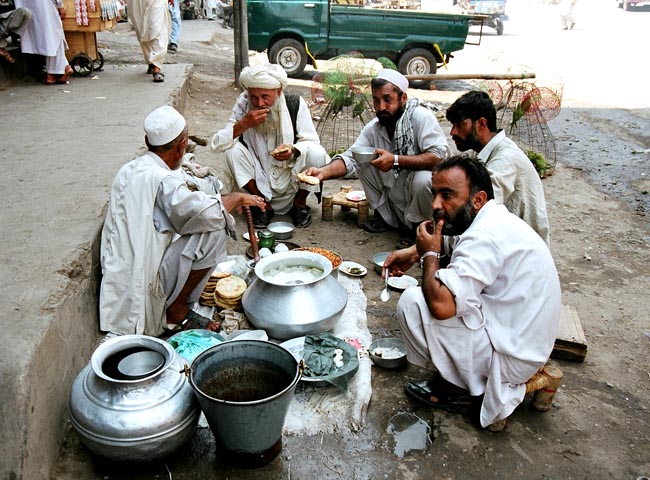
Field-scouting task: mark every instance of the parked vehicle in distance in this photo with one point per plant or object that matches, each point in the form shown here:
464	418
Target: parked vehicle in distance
297	32
629	4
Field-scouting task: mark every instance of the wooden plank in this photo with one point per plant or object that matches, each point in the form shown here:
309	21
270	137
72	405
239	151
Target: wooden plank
570	343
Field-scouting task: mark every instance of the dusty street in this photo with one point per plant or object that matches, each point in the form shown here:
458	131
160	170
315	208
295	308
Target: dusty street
598	203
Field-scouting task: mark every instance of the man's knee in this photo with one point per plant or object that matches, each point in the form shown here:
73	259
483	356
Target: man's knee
316	156
422	181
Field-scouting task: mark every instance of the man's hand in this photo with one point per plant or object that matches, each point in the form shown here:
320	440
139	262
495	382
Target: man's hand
315	172
284	152
251	120
428	237
398	262
237	200
384	162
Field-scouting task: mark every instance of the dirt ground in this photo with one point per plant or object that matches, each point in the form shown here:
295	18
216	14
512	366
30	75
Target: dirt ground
599	426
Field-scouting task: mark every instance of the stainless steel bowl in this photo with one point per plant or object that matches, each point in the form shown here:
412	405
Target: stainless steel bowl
393	343
281	230
140	364
364	154
378	260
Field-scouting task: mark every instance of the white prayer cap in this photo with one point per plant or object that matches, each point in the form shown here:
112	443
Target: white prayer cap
163	125
263	76
394	77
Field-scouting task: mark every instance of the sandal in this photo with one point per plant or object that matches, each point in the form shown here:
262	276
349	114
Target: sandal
150	68
301	216
63	79
405	243
376	224
4	54
158	77
447	396
49	79
193	320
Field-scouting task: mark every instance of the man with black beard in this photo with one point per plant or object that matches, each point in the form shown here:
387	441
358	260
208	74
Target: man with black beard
408	141
516	183
487	322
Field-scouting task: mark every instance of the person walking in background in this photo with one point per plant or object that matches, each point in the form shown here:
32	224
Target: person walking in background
152	24
14	21
44	36
174	37
567	18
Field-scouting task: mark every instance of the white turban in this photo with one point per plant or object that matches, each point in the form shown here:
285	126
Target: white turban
263	76
394	77
163	125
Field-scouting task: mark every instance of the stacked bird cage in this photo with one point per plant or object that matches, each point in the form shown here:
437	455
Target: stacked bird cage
523	111
341	99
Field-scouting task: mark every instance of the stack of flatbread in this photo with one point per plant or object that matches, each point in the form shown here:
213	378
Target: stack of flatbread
207	296
228	293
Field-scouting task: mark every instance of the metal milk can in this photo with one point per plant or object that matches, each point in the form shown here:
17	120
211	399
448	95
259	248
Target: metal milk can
133	402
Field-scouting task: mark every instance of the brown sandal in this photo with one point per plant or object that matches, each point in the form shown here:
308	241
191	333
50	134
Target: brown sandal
6	55
63	79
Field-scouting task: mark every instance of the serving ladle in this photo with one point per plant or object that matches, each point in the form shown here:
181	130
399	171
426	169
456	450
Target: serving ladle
384	296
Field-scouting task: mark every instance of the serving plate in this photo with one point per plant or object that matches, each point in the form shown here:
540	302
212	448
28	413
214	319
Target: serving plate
402	283
296	346
356	195
353	269
247	237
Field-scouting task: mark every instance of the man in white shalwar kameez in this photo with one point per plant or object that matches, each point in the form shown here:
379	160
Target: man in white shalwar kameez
487	322
515	181
409	141
269	138
152	24
161	241
44	36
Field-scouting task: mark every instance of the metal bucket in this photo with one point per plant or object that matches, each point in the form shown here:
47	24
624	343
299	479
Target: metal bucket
245	389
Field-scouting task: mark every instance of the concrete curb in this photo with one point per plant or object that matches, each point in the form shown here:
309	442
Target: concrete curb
64	145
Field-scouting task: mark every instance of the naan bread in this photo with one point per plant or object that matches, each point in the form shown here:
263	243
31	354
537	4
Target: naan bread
308	179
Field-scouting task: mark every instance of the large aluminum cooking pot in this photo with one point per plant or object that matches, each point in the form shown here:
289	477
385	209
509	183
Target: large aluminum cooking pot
128	408
305	307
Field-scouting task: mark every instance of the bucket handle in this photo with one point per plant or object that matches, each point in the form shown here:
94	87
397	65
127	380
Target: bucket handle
186	370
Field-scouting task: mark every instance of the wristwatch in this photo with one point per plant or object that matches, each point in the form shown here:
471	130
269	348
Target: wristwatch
396	165
430	253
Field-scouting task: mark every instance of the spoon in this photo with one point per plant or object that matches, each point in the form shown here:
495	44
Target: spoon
385	293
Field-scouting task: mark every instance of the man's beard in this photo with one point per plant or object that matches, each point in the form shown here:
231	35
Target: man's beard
470	142
388	120
270	126
459	223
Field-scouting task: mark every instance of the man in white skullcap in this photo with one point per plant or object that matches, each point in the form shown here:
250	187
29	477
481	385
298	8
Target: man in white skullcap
161	241
408	141
269	138
152	24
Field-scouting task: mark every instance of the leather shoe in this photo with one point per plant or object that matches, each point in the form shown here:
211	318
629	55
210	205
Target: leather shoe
301	216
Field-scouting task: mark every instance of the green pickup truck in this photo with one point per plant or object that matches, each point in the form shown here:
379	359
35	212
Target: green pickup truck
295	31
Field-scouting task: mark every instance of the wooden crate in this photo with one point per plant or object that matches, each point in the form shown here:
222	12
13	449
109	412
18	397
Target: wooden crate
95	21
81	42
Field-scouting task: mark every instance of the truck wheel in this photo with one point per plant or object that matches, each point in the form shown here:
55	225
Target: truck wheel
498	25
290	54
417	61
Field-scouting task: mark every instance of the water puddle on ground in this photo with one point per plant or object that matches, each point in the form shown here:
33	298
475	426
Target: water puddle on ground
410	433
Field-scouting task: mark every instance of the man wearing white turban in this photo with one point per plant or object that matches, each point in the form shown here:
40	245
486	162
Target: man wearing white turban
409	142
161	241
269	138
